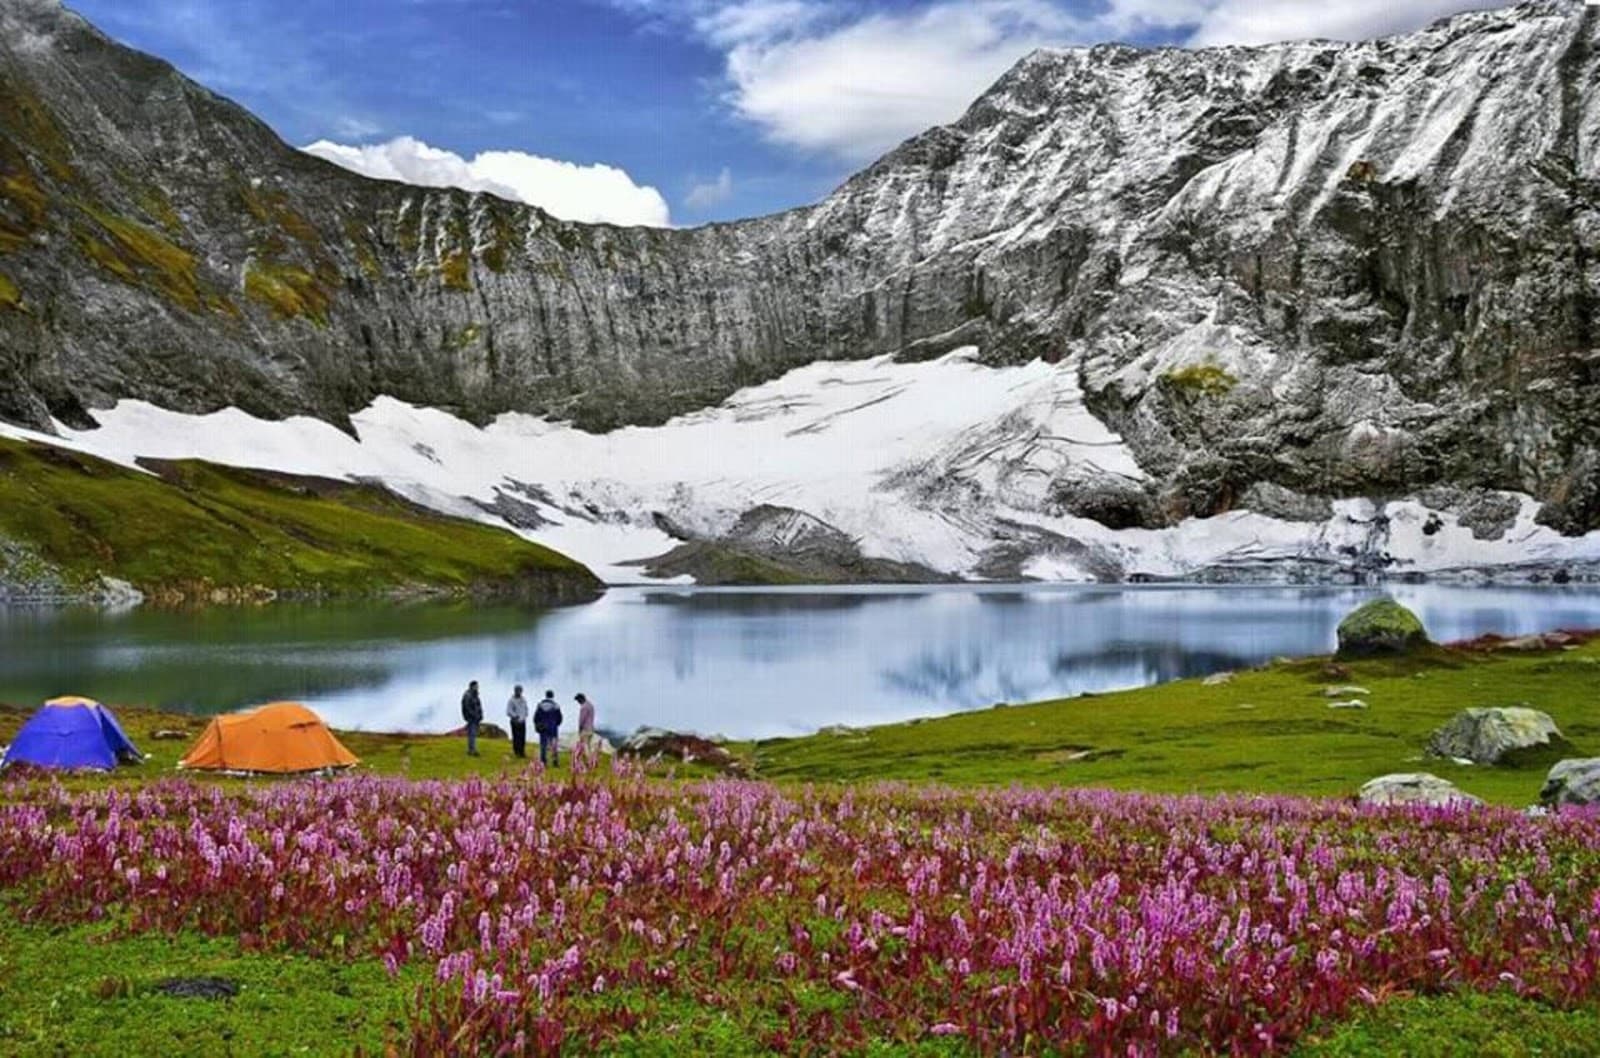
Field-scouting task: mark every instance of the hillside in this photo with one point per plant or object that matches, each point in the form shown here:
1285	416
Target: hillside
192	532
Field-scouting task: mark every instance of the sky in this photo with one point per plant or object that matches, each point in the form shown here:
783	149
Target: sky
662	112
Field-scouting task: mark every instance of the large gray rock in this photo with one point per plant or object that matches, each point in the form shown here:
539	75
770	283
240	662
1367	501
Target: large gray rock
1184	229
1413	788
1572	782
1380	627
1495	735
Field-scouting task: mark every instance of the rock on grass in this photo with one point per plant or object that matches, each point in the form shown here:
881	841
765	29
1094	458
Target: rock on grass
1496	736
1380	627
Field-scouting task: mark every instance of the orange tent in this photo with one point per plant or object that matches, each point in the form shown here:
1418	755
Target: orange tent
280	738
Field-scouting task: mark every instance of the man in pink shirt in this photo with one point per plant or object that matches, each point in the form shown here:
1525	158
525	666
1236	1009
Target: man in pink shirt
585	716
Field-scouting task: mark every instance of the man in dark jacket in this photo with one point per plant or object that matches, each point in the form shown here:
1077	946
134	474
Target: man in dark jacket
472	713
547	722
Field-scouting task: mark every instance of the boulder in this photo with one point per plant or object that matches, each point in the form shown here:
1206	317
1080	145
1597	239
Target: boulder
1216	679
1572	782
1495	736
656	744
1413	788
485	730
1380	627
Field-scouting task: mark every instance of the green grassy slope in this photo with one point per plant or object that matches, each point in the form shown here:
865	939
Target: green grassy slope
199	531
1267	730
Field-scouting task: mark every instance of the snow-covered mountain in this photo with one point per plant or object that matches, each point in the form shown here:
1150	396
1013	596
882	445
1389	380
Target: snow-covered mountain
1138	312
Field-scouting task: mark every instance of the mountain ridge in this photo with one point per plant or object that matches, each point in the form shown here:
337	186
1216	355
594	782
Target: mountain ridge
1332	269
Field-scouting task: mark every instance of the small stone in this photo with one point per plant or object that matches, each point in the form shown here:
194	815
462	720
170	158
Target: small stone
1353	703
1349	691
1413	788
167	734
1217	679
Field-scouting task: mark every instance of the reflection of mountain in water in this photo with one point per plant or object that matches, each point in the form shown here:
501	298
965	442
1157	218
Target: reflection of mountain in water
971	679
769	603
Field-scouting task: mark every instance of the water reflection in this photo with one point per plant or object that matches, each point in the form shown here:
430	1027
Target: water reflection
745	663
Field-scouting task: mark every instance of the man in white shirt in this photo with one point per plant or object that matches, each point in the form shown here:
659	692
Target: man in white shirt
517	713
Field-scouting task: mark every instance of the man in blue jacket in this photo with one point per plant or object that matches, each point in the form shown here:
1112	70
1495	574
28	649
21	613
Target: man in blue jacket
547	722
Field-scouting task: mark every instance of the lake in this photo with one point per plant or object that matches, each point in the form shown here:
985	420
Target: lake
744	663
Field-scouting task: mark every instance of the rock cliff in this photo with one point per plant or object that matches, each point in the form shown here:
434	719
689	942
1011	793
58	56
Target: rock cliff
1283	274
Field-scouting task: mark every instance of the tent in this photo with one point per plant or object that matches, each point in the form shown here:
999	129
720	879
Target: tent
72	733
281	738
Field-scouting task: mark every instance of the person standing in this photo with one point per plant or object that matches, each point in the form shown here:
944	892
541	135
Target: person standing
547	722
472	714
517	713
585	717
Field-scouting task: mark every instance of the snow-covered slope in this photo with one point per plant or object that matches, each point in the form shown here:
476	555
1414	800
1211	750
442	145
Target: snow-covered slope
1286	276
948	464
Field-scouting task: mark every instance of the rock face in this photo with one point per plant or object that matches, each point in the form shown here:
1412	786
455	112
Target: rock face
1413	788
780	545
1332	269
1496	736
1572	782
1380	627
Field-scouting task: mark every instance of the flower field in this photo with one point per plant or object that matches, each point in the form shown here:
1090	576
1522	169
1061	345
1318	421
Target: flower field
581	913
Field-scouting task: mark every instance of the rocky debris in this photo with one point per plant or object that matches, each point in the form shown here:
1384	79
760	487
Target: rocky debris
1353	703
781	545
1217	679
1413	788
1498	735
1575	781
1275	501
1560	639
1182	228
1115	502
654	744
1348	690
1488	514
1380	627
485	730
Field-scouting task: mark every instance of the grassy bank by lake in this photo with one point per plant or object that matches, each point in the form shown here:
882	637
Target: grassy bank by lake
194	532
1264	730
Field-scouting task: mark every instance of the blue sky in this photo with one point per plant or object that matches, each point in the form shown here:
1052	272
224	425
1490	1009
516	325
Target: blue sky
668	111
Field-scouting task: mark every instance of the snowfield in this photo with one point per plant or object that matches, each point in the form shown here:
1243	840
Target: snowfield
944	463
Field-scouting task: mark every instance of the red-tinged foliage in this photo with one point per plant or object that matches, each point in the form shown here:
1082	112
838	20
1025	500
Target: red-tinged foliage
566	914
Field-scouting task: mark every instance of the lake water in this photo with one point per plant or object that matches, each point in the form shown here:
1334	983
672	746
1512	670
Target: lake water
744	663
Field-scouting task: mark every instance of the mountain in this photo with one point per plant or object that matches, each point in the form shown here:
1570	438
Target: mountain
1284	279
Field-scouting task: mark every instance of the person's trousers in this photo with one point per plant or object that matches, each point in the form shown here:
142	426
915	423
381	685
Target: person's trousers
472	738
519	736
547	743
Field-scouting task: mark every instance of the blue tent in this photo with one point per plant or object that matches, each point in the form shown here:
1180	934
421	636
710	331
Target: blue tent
72	733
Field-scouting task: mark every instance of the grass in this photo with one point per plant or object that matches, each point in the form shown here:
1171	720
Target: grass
290	291
143	257
1267	730
1499	1025
201	532
10	296
1201	380
89	990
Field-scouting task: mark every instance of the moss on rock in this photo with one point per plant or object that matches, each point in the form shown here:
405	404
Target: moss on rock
1379	627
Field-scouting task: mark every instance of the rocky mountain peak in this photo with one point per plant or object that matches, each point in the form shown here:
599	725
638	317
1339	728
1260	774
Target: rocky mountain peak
1334	269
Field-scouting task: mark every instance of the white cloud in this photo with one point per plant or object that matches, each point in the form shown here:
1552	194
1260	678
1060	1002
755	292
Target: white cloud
850	79
1265	21
591	193
710	193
